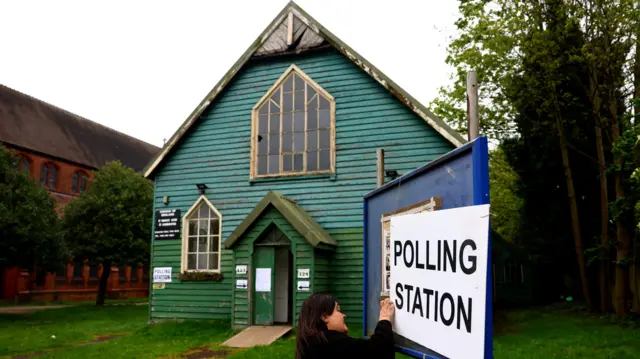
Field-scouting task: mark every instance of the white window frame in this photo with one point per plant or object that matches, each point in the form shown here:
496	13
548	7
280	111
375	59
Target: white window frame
185	236
254	128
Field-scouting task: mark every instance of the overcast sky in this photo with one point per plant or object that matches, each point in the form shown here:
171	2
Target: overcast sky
141	67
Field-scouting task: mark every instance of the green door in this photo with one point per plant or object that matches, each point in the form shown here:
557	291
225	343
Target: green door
263	278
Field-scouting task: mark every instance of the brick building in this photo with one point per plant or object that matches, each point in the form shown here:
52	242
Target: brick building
61	150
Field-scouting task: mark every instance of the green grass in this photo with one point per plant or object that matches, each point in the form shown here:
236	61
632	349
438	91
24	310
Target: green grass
563	332
560	332
33	332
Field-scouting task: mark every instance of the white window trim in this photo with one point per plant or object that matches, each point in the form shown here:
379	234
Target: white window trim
254	127
185	236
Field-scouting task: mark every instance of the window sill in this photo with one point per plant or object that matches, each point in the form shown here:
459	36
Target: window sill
328	176
192	276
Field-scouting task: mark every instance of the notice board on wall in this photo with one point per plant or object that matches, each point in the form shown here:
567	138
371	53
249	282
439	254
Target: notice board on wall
457	179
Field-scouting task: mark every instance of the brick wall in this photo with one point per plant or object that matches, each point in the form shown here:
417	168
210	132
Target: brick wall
63	190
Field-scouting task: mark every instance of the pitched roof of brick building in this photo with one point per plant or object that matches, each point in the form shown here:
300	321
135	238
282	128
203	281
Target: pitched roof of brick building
35	125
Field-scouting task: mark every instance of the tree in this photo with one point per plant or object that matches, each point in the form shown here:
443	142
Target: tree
505	202
110	223
611	28
488	41
556	75
29	225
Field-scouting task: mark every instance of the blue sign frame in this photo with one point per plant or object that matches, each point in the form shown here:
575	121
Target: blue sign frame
460	178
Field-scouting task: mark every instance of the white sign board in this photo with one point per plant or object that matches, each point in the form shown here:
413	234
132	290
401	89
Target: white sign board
263	279
303	273
241	269
303	285
242	284
162	275
439	279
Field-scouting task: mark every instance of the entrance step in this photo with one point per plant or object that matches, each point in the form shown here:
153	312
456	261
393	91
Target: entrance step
257	335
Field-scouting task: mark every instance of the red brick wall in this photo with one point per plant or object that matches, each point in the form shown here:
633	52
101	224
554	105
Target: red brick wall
18	284
64	175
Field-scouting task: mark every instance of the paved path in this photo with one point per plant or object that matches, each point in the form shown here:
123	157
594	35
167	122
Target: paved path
24	309
98	340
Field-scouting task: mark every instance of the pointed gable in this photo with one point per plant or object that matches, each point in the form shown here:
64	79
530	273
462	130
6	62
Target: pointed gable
294	31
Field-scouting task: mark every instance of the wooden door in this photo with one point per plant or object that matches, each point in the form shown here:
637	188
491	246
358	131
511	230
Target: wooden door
263	285
282	286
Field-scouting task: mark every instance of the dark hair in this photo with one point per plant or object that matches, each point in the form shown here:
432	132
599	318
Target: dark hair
310	322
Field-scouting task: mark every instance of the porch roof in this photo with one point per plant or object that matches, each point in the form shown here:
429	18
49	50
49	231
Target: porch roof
298	217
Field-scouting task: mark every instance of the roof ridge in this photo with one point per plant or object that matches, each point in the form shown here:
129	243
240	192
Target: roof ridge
77	117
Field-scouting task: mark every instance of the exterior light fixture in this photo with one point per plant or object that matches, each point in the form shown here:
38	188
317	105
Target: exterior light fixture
202	188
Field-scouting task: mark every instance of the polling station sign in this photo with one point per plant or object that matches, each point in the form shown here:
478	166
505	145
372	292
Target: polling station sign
439	279
162	275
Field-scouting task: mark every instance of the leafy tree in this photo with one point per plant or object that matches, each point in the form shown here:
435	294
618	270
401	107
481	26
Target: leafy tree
610	28
506	204
29	225
555	77
489	38
110	223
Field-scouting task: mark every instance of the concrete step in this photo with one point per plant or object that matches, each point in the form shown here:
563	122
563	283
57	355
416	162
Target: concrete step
257	335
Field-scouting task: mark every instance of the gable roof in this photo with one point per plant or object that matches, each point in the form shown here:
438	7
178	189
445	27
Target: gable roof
35	125
306	33
292	212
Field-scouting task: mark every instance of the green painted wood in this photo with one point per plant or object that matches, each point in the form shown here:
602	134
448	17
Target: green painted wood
294	214
216	152
322	271
263	257
245	249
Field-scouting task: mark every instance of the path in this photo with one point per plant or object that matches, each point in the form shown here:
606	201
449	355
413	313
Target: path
25	309
98	340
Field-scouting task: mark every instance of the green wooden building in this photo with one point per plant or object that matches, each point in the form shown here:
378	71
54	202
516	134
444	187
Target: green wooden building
264	180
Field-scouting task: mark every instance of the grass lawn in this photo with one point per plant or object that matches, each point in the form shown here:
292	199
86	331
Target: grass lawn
559	332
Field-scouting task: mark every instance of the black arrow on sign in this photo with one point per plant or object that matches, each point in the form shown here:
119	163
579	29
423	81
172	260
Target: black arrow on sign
300	287
242	286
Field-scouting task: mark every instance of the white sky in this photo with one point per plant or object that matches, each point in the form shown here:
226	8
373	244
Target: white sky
141	67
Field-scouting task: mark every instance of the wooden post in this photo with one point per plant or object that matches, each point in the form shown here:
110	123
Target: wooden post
290	29
379	167
473	116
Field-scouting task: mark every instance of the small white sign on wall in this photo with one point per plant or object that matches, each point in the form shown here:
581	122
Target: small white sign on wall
162	275
241	269
304	273
263	279
303	285
242	284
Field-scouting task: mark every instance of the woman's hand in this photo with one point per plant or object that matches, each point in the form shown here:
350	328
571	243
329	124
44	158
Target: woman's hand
387	310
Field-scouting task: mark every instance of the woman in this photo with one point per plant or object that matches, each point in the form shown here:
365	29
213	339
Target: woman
322	332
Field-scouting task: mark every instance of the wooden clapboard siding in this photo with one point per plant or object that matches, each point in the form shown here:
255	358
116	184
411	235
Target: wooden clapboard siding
216	151
346	267
303	258
322	271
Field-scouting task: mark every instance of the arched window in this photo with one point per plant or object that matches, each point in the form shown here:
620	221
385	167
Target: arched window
201	242
293	131
48	175
25	164
79	184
